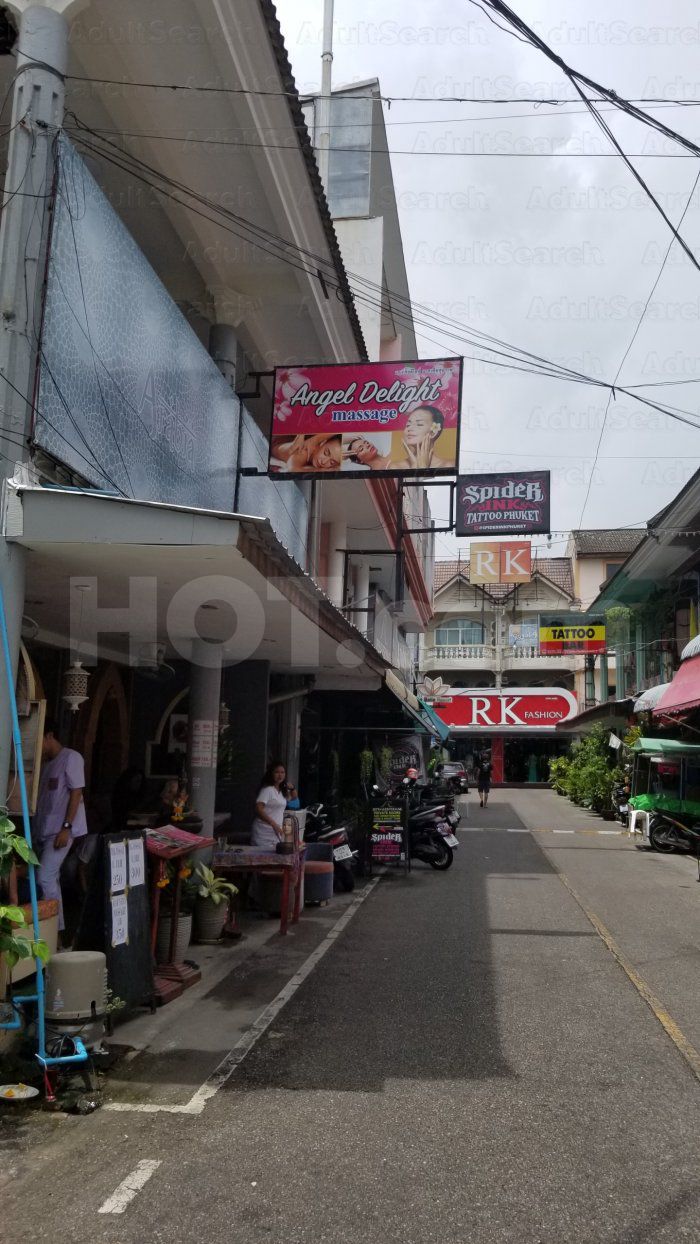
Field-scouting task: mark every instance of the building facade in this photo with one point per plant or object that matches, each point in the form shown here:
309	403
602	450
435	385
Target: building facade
151	287
480	662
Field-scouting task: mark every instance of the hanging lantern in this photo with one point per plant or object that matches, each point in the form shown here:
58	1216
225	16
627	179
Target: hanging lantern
224	716
75	686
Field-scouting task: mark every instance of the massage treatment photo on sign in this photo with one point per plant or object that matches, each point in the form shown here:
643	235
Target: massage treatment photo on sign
356	419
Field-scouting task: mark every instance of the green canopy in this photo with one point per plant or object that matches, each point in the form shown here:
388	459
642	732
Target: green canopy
666	747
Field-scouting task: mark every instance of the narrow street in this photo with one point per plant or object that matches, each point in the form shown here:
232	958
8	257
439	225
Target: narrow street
468	1062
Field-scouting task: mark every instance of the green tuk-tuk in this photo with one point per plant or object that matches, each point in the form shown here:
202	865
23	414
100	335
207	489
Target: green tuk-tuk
665	779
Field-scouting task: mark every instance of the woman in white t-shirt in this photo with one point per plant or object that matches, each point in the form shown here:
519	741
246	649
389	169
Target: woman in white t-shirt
269	808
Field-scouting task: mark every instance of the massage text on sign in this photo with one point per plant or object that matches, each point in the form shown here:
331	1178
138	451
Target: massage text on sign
516	503
356	419
508	562
571	632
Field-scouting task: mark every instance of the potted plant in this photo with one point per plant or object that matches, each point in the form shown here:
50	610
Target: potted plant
13	945
182	870
213	893
558	769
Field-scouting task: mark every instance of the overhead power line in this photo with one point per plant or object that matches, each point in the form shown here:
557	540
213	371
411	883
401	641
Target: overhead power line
631	342
535	100
235	143
362	288
580	81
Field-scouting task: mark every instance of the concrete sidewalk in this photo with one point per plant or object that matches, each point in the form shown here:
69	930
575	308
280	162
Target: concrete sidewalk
173	1051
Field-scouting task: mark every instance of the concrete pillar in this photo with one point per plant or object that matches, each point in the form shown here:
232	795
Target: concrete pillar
590	682
620	690
640	654
604	677
203	737
337	541
37	111
246	691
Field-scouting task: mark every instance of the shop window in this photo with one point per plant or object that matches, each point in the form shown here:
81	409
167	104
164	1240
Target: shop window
459	631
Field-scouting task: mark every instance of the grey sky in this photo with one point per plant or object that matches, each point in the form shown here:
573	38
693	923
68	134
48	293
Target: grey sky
555	254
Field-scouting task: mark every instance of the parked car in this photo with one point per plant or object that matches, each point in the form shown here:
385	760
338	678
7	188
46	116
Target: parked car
455	775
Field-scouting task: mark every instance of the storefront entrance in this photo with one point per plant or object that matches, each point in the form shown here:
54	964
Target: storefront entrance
518	760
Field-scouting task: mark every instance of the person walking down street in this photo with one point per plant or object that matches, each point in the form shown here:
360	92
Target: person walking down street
483	779
60	812
270	807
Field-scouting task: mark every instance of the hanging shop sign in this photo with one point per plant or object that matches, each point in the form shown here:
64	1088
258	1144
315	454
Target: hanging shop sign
387	835
515	503
517	709
503	562
360	419
571	632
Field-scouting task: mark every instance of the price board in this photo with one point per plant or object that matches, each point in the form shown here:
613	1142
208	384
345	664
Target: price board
387	839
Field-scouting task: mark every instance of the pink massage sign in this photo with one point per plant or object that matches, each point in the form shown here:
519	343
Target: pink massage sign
353	419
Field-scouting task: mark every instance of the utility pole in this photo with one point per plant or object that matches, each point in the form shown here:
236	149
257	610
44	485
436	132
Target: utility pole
498	673
323	129
37	114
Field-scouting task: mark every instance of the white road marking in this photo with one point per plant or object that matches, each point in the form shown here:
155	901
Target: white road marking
242	1048
610	831
563	831
129	1187
517	831
472	829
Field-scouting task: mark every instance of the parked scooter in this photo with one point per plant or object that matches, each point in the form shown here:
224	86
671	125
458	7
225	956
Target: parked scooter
679	832
319	829
621	794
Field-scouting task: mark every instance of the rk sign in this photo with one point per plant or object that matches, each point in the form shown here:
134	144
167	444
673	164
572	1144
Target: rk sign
508	562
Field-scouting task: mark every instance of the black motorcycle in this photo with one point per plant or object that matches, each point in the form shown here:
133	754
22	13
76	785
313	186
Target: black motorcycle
674	833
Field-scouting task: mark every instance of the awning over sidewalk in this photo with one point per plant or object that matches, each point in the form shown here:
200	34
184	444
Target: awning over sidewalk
429	715
684	692
649	699
415	708
152	569
611	713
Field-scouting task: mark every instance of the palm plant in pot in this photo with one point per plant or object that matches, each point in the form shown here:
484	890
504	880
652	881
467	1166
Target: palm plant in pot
213	894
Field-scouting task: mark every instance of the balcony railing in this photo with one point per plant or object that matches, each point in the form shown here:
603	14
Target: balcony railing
487	654
450	653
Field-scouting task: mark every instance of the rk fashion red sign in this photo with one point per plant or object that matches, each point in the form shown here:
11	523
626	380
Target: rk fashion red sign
518	708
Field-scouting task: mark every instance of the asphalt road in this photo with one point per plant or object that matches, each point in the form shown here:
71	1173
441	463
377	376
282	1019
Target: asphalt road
467	1062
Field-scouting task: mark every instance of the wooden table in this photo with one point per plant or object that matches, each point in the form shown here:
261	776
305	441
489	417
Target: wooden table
238	860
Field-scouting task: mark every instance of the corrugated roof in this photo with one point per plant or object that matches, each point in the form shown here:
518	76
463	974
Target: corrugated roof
557	570
592	543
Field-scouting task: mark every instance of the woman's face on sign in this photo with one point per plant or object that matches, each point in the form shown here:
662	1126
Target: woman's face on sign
327	456
420	423
364	451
